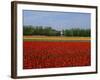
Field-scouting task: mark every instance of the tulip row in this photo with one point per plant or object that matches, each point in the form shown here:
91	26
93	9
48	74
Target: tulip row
55	54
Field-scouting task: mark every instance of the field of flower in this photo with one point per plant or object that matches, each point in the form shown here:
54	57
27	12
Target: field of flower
55	38
58	53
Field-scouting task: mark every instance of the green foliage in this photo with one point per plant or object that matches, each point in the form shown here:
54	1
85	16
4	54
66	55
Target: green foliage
28	30
39	30
77	32
48	31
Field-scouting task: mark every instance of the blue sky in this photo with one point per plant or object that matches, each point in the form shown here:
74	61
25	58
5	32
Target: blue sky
57	20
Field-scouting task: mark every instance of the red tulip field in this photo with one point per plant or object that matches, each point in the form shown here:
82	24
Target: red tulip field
55	54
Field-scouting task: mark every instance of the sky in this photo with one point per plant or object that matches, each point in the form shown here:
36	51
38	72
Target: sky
57	20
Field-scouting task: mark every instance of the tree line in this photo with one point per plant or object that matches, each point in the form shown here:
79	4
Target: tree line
49	31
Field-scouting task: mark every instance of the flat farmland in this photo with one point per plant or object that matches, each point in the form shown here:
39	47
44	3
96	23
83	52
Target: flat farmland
55	38
55	52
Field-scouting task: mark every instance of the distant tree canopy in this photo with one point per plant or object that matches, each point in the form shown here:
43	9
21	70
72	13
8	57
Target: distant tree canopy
77	32
48	31
39	30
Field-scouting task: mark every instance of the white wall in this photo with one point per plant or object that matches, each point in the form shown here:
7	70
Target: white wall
5	40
